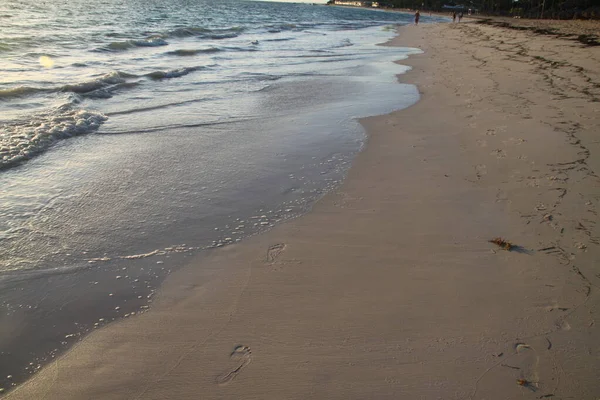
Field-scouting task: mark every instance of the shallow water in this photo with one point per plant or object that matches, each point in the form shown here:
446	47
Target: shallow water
135	134
174	109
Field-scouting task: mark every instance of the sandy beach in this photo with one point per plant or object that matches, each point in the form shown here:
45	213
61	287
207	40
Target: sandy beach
389	288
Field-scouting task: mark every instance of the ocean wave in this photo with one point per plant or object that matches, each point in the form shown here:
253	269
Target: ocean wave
20	141
98	88
280	27
174	126
233	31
107	83
175	73
36	54
220	36
257	76
128	44
158	107
278	39
19	91
107	92
237	48
151	42
186	32
193	52
343	43
110	79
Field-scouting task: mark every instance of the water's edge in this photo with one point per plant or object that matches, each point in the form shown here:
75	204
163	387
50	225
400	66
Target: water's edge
86	287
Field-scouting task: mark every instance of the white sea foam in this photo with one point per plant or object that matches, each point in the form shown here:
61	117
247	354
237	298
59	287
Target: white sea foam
180	248
21	141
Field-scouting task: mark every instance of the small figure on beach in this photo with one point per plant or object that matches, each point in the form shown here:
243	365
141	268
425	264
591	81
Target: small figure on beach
417	16
460	15
454	16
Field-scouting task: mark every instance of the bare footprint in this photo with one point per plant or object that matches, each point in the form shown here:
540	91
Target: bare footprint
499	153
554	306
563	325
501	196
240	357
514	141
274	251
480	170
525	361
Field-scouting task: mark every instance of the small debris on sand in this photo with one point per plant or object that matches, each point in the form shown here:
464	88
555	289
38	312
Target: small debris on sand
504	244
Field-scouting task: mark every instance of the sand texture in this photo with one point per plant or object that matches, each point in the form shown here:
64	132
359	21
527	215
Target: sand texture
389	288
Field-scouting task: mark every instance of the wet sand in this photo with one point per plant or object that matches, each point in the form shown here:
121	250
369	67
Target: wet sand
389	287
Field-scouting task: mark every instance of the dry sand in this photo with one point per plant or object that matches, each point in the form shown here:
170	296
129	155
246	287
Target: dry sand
389	288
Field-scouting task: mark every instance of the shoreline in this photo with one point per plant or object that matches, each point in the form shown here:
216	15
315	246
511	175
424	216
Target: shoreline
109	259
388	287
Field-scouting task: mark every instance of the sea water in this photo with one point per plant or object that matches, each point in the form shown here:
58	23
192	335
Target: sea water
132	132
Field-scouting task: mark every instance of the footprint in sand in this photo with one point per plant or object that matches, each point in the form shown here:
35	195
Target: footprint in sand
274	251
514	141
501	196
526	361
554	306
240	357
499	153
481	143
563	325
480	170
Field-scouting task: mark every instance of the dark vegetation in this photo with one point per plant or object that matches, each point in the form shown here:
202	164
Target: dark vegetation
583	38
551	9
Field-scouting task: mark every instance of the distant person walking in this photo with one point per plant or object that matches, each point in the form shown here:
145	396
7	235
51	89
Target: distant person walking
454	16
417	16
460	16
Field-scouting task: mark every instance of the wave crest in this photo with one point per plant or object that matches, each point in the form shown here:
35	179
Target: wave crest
193	52
18	91
102	86
22	141
128	44
206	33
175	73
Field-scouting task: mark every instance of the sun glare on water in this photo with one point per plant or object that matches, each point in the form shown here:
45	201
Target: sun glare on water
46	62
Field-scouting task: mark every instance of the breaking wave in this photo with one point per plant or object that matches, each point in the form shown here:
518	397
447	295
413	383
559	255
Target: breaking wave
128	44
205	32
112	78
175	73
19	91
101	87
20	141
193	52
160	39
